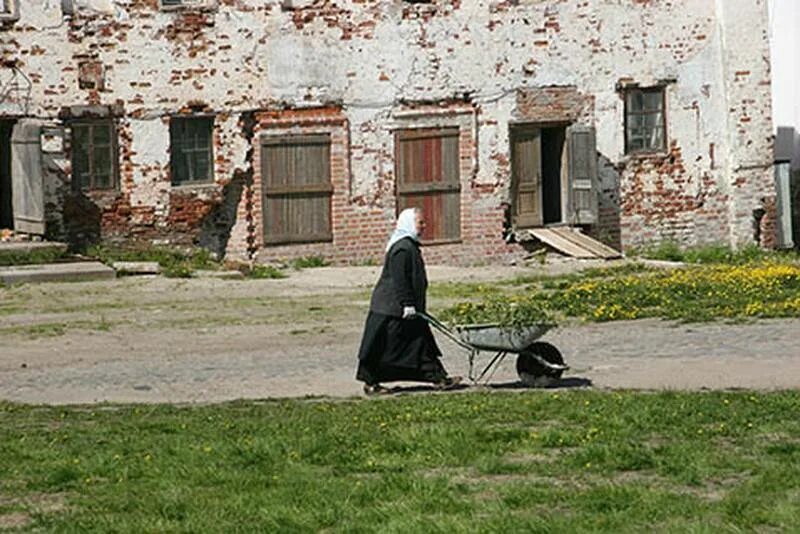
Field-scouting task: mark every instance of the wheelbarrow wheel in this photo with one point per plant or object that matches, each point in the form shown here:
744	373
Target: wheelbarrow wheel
534	374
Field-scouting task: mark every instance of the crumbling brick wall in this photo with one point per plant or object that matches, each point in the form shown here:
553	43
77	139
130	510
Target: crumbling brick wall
260	65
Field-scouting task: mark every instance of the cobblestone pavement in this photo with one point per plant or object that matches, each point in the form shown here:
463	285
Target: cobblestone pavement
208	340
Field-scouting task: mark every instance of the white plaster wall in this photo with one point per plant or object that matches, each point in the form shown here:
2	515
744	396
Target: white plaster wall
268	59
367	56
150	159
747	75
493	139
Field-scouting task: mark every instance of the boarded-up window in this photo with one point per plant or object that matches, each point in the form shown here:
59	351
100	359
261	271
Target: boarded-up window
94	155
191	150
645	126
427	166
296	178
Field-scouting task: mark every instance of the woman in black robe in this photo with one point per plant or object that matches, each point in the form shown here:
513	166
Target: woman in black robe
397	342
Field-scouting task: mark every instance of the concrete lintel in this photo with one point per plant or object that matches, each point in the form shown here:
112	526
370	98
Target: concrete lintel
96	111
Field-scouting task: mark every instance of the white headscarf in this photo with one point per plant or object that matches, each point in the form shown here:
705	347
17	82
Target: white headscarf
406	227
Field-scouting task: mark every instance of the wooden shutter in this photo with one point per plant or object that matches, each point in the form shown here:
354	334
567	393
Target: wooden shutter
428	177
526	169
297	188
27	179
583	180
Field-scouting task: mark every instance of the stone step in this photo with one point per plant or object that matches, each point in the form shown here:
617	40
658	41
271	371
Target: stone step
56	272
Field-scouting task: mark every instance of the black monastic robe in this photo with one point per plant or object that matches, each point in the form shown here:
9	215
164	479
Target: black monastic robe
394	348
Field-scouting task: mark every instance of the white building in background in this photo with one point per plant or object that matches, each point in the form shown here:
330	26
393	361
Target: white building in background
784	25
273	129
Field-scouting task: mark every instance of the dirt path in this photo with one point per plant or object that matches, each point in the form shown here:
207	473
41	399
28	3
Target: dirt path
204	340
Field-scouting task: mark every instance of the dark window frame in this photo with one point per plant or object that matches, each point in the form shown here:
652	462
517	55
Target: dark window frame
647	148
9	10
179	126
92	149
442	187
178	5
287	192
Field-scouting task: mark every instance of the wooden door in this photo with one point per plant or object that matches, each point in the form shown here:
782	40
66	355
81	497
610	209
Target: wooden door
526	178
27	181
583	178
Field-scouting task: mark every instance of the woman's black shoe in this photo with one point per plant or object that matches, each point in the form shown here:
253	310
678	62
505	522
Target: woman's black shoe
450	382
375	389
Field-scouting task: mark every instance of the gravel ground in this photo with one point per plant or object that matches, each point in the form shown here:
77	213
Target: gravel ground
208	340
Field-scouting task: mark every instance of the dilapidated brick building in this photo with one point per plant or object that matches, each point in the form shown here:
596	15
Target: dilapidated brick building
279	128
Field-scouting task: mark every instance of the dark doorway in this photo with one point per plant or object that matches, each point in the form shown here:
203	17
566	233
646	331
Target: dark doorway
537	179
552	151
6	203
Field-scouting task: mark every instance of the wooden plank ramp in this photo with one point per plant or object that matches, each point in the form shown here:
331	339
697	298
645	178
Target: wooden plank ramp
569	241
599	249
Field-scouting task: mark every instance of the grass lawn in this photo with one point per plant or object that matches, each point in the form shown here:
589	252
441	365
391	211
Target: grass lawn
546	461
39	255
762	288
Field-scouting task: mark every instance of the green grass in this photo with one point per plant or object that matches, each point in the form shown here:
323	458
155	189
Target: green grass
455	290
9	308
42	311
575	461
264	272
35	256
766	288
699	293
309	262
671	251
55	329
174	262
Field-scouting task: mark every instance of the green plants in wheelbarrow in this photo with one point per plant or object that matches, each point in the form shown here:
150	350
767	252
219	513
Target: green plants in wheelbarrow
503	311
510	324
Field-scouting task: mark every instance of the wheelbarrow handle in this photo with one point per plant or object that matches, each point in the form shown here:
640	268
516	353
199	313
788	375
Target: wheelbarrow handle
441	327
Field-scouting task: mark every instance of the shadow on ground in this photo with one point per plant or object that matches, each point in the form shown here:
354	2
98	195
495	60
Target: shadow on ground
561	383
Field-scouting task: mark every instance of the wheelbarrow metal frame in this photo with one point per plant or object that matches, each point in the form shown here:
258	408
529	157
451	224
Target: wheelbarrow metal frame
502	340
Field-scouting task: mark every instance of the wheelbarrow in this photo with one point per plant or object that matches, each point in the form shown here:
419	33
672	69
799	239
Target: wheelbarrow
539	363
